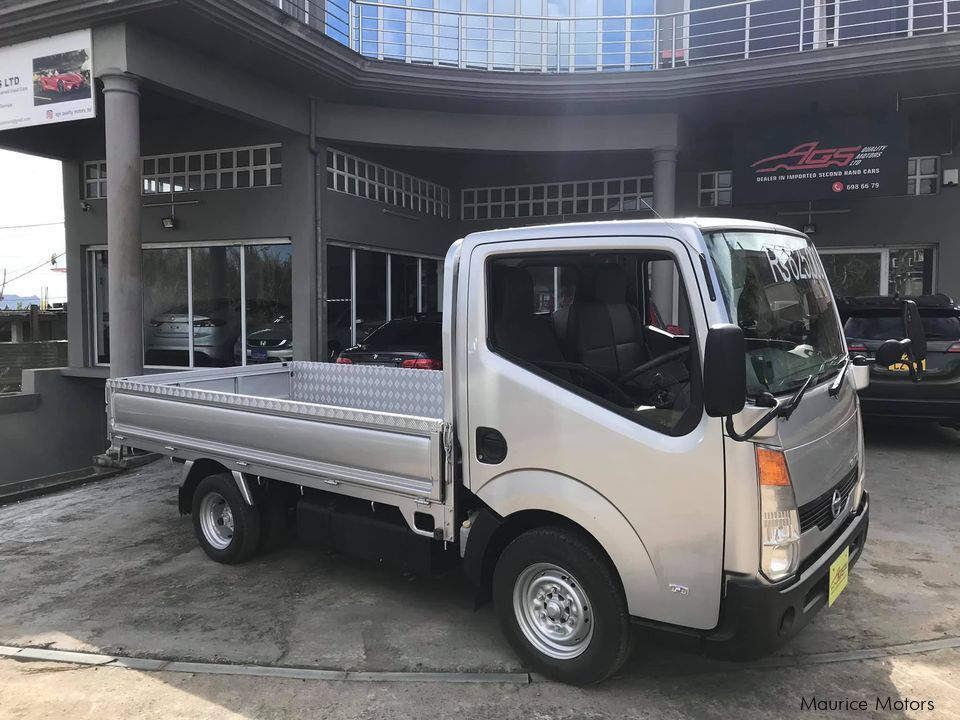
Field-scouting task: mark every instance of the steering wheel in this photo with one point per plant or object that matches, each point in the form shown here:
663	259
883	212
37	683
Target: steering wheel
651	364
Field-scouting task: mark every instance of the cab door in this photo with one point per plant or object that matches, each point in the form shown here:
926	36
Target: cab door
547	428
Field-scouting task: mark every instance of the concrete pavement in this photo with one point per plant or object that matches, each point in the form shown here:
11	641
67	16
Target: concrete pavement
112	568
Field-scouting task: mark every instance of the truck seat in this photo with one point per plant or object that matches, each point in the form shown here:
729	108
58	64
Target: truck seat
601	329
517	329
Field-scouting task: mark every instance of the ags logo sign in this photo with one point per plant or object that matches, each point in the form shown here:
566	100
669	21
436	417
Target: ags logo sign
855	156
808	156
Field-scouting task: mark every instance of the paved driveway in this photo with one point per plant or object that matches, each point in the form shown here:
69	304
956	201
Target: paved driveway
111	567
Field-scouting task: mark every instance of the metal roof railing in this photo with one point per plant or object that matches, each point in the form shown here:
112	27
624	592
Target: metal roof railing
453	33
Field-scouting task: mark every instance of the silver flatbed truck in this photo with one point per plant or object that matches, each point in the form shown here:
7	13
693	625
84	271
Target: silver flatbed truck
642	422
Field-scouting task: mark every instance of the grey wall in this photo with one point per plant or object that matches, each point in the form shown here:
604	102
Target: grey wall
357	221
496	133
57	425
285	211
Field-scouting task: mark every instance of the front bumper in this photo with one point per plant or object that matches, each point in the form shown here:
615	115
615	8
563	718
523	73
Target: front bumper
756	619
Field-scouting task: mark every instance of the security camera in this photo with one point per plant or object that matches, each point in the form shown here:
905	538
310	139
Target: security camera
85	206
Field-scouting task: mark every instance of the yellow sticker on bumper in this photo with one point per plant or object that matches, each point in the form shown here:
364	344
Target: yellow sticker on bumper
839	575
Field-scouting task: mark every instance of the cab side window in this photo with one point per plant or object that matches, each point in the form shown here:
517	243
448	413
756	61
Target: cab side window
597	325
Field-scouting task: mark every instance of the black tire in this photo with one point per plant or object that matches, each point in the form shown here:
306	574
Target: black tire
586	567
245	537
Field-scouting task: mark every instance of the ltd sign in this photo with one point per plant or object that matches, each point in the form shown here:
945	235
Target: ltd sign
836	159
47	81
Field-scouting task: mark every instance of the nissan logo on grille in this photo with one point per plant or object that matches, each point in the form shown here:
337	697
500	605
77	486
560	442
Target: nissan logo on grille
836	505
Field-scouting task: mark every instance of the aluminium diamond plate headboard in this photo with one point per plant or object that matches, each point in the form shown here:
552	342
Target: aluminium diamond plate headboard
369	387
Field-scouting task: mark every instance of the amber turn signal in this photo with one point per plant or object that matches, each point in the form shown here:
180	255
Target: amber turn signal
772	467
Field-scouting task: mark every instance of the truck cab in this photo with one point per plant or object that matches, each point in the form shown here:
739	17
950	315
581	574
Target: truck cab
582	399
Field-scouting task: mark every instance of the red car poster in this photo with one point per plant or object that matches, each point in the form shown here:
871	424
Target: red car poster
47	81
843	157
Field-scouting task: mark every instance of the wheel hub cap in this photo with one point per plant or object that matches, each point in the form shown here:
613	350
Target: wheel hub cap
216	520
553	611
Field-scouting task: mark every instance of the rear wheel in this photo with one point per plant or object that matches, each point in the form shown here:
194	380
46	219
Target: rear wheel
560	605
227	528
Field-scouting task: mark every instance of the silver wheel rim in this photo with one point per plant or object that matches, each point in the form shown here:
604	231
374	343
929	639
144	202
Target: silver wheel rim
553	611
216	520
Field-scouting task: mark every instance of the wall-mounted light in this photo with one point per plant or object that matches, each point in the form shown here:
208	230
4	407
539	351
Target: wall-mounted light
168	223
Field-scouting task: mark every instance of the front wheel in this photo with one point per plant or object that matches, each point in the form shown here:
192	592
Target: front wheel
228	529
560	604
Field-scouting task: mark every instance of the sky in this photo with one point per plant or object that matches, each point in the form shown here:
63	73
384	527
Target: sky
31	225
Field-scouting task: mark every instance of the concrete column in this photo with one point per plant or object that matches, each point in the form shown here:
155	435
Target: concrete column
122	118
664	202
34	323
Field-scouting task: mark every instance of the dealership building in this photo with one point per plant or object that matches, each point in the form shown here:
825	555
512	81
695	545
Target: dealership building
302	166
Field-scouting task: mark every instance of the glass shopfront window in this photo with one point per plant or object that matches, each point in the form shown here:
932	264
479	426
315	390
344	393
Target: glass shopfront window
205	305
366	288
268	302
166	309
99	307
879	271
371	297
404	285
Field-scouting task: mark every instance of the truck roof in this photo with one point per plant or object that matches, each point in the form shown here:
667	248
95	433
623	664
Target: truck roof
653	226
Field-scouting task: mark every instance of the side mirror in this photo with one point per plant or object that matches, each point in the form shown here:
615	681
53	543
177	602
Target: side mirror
913	329
724	371
891	352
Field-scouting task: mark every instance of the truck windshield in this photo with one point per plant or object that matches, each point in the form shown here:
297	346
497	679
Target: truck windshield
775	289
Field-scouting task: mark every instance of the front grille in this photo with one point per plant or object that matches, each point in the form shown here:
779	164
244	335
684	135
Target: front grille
818	511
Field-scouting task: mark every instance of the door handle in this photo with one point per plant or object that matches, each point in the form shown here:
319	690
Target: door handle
491	446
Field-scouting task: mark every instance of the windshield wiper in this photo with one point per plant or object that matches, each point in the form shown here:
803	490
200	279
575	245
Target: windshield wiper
835	386
821	369
778	409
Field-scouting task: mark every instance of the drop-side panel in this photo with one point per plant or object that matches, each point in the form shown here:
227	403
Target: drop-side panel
395	461
265	432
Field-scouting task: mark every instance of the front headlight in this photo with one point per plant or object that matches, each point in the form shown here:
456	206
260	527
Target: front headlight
779	520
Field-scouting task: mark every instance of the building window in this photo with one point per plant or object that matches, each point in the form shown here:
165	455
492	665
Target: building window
715	188
355	176
223	169
856	272
220	169
580	197
225	292
508	35
923	175
366	288
95	180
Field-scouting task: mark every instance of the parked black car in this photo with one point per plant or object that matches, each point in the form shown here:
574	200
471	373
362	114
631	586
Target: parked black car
410	342
868	321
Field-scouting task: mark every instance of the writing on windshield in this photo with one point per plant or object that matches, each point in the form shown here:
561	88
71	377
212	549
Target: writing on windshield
774	287
788	264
